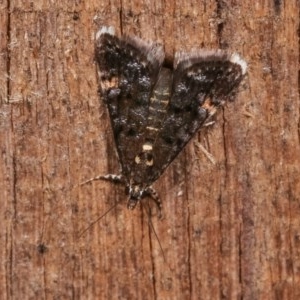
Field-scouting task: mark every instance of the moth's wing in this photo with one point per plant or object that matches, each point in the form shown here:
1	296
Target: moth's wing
128	70
201	83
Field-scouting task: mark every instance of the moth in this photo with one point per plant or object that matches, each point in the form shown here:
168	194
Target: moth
155	110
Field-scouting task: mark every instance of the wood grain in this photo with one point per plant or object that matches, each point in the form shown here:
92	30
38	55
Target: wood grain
231	230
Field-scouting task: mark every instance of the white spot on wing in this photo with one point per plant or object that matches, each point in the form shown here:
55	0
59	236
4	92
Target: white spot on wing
147	147
236	59
137	159
105	29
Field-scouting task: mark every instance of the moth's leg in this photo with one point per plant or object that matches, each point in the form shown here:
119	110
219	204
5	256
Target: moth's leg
209	120
208	123
109	177
150	191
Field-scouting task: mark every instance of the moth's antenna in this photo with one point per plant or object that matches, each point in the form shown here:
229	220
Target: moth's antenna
152	228
97	220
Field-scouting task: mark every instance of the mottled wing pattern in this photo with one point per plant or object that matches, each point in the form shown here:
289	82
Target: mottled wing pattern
155	111
128	71
201	83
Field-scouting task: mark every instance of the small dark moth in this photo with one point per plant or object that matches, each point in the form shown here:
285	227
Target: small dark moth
155	111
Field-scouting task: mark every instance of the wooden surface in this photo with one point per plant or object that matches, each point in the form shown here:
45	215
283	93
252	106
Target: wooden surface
231	230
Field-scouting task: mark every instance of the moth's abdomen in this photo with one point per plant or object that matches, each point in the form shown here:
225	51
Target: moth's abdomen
159	101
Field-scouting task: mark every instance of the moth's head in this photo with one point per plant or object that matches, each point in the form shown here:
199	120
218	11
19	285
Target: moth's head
135	193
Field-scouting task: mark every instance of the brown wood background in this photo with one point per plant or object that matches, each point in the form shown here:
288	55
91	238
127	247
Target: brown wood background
231	230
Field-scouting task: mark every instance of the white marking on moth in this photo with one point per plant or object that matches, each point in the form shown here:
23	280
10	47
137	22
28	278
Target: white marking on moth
152	128
236	59
149	162
154	99
147	147
161	93
105	29
158	110
137	159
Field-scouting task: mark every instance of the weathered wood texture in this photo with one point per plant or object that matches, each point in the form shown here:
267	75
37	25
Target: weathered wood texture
231	230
